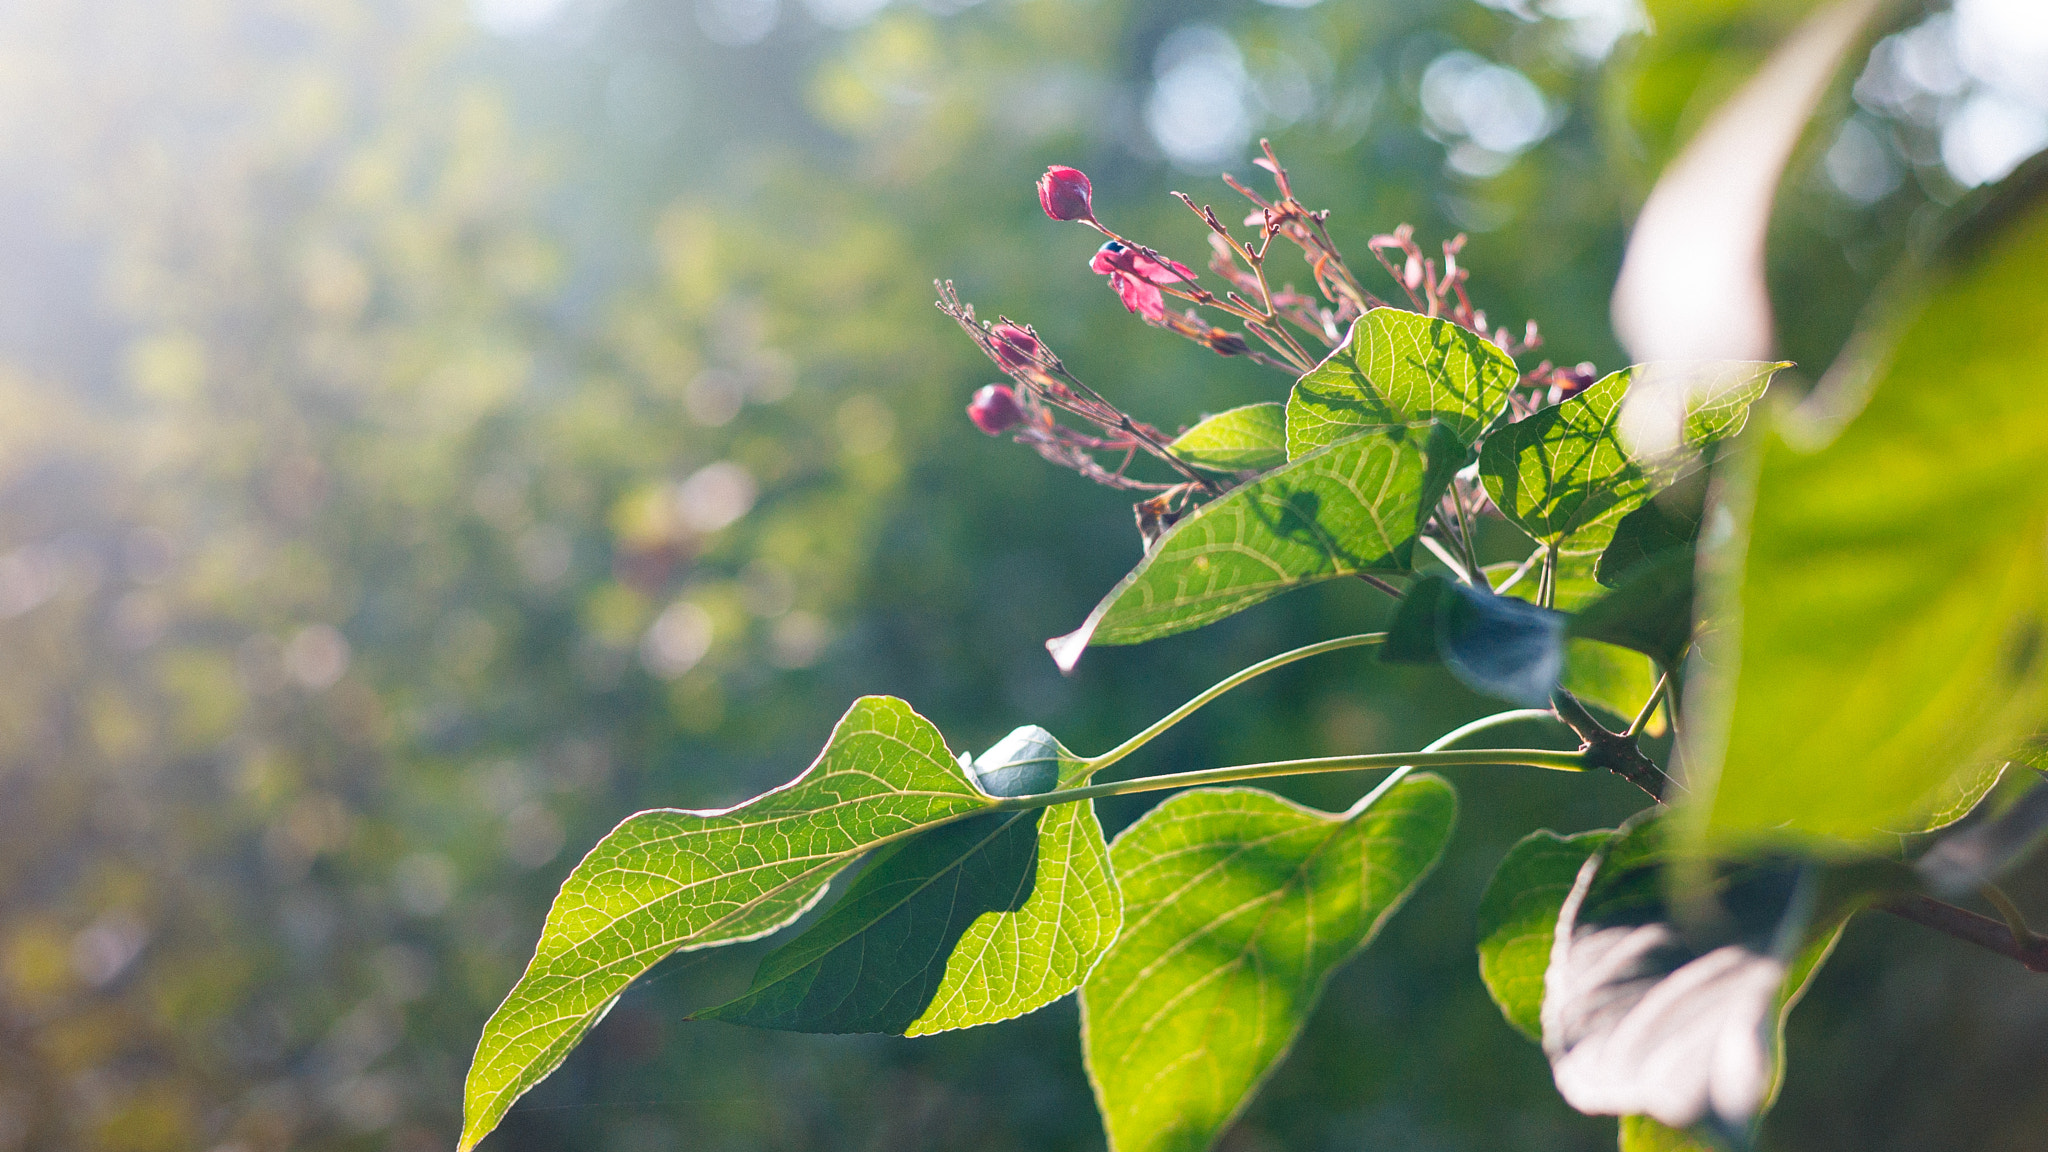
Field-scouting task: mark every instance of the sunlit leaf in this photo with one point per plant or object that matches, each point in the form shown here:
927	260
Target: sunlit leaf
1518	919
1679	1020
1568	474
1251	438
668	880
1889	597
1399	367
1356	506
970	923
1238	905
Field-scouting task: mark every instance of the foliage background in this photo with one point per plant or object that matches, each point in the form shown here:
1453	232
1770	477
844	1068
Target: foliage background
434	431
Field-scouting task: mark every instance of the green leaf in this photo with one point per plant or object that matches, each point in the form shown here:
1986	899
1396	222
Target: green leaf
1495	644
1668	522
973	922
669	880
1888	602
1682	1019
1238	904
1248	439
1356	506
1399	367
1518	919
1618	680
1642	1134
1650	612
1569	473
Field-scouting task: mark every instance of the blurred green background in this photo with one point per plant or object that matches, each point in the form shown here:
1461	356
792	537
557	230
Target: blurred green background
430	431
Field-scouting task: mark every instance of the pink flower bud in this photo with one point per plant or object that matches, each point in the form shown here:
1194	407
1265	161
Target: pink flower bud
1015	348
1065	194
995	410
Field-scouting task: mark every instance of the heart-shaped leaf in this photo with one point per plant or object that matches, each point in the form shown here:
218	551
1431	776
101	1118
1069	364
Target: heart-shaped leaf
1355	506
1248	439
1679	1021
669	880
1568	474
970	923
1888	596
1238	905
1399	367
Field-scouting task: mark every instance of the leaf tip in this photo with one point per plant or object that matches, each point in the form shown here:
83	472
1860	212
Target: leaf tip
1066	650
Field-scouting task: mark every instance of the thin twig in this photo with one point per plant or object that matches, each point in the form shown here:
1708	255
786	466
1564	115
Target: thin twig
1974	928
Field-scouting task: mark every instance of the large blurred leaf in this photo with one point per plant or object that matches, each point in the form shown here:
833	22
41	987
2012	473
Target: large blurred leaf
668	880
1679	1020
1569	473
1517	932
970	923
1353	507
1400	368
1518	919
1238	905
1889	599
1252	438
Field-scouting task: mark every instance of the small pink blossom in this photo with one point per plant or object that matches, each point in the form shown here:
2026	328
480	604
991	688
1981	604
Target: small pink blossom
994	410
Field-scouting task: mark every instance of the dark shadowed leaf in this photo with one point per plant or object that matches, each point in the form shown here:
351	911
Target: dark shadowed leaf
1248	439
1353	507
1889	595
1650	612
1668	522
1238	905
1518	919
1399	367
1568	474
1496	644
669	880
974	922
1500	645
1681	1021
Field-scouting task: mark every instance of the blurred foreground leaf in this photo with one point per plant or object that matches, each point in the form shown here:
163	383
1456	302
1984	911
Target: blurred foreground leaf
1890	594
1680	1020
1238	905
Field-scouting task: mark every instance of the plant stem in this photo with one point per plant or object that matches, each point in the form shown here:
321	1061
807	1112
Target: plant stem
1445	741
1550	758
1610	750
1973	928
1649	707
1181	713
